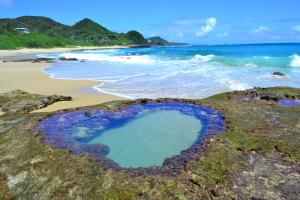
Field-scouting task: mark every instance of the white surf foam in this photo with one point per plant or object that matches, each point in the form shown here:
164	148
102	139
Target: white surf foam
101	51
144	59
250	65
143	76
202	58
233	84
295	60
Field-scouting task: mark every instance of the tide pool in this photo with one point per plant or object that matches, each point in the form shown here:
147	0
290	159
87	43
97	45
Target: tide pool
140	135
147	141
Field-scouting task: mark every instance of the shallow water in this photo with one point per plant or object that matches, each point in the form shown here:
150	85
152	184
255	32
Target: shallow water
185	71
148	140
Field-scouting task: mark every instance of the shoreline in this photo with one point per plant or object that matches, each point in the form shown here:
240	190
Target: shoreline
26	52
30	77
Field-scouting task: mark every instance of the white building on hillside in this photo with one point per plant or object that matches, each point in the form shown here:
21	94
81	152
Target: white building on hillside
22	30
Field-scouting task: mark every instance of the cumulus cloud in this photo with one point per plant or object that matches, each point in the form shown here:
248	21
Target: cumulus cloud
296	28
261	29
5	3
209	25
181	29
223	35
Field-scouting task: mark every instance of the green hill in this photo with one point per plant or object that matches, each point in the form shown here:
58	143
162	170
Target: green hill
45	33
157	40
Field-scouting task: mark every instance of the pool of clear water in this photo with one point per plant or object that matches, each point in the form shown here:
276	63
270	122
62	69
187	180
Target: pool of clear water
148	140
140	135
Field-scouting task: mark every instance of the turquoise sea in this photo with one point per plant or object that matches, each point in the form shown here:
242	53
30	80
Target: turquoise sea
191	71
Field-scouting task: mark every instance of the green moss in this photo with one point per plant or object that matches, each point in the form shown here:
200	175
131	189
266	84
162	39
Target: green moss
222	159
3	193
2	140
248	142
119	194
222	96
286	91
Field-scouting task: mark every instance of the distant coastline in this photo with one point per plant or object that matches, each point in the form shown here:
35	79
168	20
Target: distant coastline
18	54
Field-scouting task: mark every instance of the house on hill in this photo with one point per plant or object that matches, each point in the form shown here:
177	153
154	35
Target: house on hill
23	30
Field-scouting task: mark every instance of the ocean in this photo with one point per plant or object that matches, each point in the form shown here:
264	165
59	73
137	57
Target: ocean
191	71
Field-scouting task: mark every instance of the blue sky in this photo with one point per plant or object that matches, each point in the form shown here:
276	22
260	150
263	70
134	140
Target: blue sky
193	21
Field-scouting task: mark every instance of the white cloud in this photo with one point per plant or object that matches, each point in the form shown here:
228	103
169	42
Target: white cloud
296	28
261	29
223	35
276	37
179	34
6	3
209	25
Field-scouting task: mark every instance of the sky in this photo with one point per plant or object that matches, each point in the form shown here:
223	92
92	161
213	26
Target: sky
191	21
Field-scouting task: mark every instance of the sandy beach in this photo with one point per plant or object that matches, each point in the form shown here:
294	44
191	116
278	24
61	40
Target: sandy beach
30	78
9	54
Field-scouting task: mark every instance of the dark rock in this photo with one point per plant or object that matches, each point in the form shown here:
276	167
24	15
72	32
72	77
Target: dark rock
214	193
36	60
278	74
20	101
269	97
45	60
90	113
68	59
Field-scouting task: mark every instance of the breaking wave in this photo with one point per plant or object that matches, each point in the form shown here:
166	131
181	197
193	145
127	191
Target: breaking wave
295	62
181	72
144	59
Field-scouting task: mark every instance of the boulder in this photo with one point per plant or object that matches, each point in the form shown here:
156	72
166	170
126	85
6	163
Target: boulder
68	59
278	74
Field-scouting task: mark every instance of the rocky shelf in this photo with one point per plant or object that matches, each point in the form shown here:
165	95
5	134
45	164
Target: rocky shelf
256	157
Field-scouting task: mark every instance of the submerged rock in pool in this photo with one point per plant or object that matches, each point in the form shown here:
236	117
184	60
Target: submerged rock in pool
96	149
